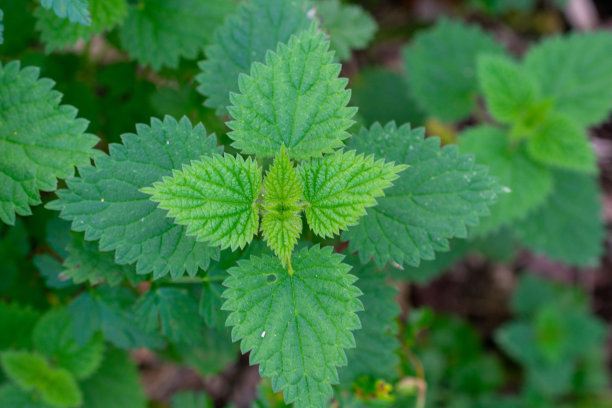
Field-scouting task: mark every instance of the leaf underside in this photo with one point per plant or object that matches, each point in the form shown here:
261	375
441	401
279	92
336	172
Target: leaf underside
76	11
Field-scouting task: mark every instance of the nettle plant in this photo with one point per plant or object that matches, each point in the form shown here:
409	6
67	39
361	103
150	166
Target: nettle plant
168	202
531	120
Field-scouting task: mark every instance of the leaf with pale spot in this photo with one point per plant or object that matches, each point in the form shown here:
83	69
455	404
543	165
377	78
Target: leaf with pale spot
295	325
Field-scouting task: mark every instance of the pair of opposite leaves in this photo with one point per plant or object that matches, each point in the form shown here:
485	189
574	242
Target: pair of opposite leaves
220	198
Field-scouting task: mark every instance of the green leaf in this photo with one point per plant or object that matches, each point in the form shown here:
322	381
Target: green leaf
376	353
13	396
51	270
215	198
109	310
560	142
246	36
281	223
190	399
158	33
568	227
41	140
381	97
508	89
53	336
116	384
439	194
32	372
19	322
106	203
174	311
296	99
85	263
295	325
339	187
77	11
1	28
441	64
350	27
574	71
528	182
57	33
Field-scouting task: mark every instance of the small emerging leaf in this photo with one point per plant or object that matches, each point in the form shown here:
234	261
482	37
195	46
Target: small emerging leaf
281	224
339	187
215	198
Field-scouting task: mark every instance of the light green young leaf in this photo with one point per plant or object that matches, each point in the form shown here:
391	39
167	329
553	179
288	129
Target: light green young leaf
174	311
350	27
528	182
568	227
19	322
295	325
439	194
58	33
53	336
77	11
160	32
296	99
246	36
560	142
116	384
281	223
31	371
190	399
109	310
106	203
215	198
574	71
441	64
508	89
339	187
376	353
40	139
